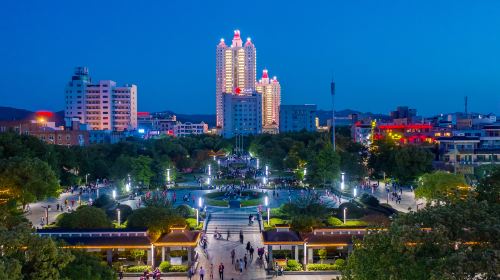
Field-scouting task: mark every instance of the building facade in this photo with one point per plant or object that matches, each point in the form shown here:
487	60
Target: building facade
186	129
48	132
235	71
297	118
242	114
102	105
270	90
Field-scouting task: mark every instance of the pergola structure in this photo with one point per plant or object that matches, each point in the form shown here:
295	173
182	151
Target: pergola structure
338	238
178	238
122	239
103	239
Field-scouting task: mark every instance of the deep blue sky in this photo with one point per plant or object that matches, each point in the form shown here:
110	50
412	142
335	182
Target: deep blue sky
425	54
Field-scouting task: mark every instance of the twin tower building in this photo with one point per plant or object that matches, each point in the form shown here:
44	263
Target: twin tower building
244	105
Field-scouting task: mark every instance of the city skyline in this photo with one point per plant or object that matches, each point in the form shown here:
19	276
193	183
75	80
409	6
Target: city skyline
422	55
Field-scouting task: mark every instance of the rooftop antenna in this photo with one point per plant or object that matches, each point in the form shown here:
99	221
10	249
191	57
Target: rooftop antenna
466	111
332	91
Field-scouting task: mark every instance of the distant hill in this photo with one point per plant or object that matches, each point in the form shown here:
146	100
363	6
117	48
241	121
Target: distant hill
9	113
13	114
194	118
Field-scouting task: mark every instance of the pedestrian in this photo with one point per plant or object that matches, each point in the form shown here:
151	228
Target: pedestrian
237	265
233	253
228	234
248	247
241	236
202	273
245	260
211	271
120	275
221	271
57	207
241	266
251	252
190	273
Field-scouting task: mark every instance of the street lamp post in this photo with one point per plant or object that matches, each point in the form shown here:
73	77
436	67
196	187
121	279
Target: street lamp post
200	204
257	163
266	202
342	182
127	186
209	170
168	176
46	214
113	194
345	215
355	191
332	91
118	216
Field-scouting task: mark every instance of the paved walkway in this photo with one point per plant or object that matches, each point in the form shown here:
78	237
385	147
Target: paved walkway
220	250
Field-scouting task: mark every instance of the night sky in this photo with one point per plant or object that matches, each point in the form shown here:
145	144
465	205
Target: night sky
425	54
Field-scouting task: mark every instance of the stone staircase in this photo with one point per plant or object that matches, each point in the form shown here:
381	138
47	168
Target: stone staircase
234	221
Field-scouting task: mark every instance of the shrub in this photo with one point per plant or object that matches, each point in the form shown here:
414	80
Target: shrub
103	201
178	268
340	263
369	200
334	221
322	253
293	265
125	211
137	268
321	266
85	217
184	210
354	211
191	222
165	266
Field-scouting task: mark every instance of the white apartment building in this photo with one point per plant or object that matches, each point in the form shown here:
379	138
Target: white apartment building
242	114
271	101
185	129
102	105
235	71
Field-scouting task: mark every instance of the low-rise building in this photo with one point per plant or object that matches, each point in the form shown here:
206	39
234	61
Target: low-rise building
186	129
297	118
48	132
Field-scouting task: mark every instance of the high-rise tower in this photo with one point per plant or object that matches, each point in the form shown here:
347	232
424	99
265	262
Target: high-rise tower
235	71
271	100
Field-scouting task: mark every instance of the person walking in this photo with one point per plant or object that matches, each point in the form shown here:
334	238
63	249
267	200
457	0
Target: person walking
248	247
228	234
211	271
241	236
202	273
251	252
241	266
237	265
221	271
233	253
246	261
190	273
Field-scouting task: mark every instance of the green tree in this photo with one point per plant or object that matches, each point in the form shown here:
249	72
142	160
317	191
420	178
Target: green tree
463	243
158	220
27	179
327	164
410	162
489	187
440	185
86	266
141	170
85	217
43	259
